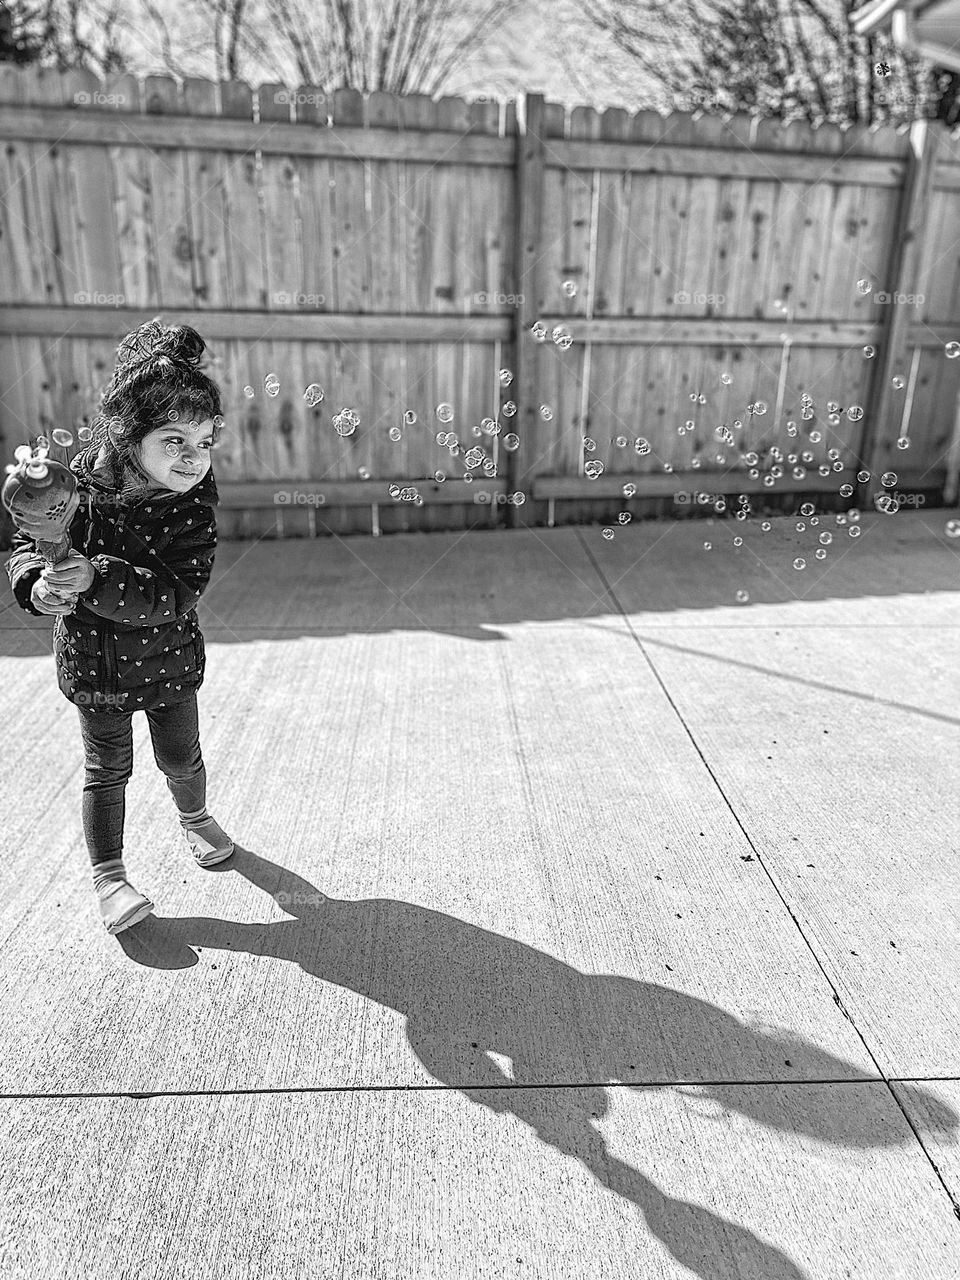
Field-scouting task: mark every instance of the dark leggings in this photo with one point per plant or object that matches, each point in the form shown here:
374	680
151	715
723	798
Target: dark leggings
108	746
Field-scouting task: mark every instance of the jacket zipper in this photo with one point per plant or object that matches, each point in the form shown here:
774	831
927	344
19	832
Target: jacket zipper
110	649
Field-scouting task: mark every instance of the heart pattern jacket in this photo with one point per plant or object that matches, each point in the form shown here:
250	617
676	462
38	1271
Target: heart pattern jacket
133	641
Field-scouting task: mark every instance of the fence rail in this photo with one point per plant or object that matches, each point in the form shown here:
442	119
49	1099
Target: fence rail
398	250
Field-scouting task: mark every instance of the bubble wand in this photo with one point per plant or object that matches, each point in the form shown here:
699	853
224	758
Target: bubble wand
43	493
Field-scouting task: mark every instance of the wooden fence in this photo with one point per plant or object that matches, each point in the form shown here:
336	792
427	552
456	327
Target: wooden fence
398	251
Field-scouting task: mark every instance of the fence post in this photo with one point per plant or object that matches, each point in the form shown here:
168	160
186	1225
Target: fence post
906	260
521	466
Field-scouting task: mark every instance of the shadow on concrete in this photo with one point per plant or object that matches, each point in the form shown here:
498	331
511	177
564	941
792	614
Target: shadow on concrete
466	992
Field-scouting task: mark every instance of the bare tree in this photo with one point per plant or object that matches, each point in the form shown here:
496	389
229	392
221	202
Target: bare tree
64	34
786	58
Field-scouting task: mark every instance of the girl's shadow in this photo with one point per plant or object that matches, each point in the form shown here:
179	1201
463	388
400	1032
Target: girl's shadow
466	992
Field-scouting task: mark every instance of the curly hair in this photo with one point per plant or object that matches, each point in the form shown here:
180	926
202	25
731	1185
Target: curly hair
157	380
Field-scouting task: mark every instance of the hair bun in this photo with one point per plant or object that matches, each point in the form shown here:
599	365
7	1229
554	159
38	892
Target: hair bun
152	339
181	342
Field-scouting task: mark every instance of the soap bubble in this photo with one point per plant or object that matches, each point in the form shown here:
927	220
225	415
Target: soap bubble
62	437
903	442
570	288
249	392
592	468
395	433
409	418
897	382
508	409
799	563
952	350
546	412
506	377
869	352
313	394
445	412
742	596
511	442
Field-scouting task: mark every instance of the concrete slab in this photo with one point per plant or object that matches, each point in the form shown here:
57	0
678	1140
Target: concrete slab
488	895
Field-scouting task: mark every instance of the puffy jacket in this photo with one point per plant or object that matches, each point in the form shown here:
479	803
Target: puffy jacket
133	641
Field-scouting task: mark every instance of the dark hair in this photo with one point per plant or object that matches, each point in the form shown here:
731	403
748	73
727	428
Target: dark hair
157	380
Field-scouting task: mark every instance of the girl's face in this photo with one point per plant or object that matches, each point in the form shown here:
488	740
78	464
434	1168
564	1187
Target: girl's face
177	456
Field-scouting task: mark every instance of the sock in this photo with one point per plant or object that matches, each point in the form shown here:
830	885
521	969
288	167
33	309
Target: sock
194	819
108	873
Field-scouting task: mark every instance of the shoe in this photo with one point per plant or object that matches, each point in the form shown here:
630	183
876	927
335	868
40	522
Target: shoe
122	906
208	842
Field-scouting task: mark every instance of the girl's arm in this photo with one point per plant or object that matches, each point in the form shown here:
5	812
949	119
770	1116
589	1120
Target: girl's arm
23	569
141	597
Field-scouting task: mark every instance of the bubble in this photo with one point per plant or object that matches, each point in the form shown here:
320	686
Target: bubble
271	385
952	529
798	473
509	409
742	596
751	459
608	534
589	444
800	526
864	286
629	489
511	442
791	428
869	352
565	342
765	526
854	531
557	333
313	394
592	468
799	563
363	473
539	331
570	288
821	553
846	490
506	377
896	381
395	433
84	434
806	413
172	449
695	463
445	412
807	509
249	392
903	442
345	422
760	408
888	479
409	418
624	517
546	413
621	442
738	541
708	546
887	503
952	350
62	437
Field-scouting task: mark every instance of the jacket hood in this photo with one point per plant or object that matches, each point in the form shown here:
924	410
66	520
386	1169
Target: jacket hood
83	463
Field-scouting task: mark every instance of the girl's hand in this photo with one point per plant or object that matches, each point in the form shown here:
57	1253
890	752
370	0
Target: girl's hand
74	573
44	602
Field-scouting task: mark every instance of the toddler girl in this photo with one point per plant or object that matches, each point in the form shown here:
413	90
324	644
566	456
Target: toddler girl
126	636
